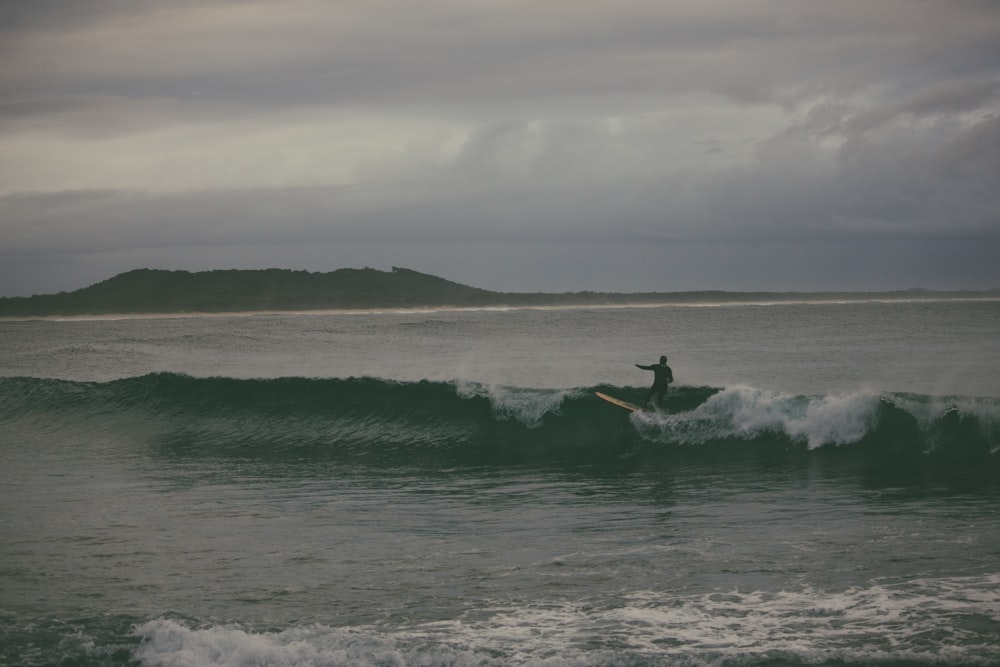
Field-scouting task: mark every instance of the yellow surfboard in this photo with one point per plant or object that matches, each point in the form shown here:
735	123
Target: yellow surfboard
617	401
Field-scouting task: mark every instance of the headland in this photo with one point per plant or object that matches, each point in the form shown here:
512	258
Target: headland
156	291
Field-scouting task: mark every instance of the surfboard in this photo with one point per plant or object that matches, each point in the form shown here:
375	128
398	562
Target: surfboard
617	402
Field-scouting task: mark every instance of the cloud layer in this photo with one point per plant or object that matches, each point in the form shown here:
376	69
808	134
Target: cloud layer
634	145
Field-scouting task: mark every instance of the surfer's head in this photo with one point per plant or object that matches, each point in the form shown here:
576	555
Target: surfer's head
663	359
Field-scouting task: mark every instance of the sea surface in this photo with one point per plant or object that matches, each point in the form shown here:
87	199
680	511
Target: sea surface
442	488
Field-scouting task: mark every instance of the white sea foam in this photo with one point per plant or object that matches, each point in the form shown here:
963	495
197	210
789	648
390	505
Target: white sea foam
746	412
527	406
928	621
835	419
928	410
169	643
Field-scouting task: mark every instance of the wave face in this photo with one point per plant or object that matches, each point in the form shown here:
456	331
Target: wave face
375	422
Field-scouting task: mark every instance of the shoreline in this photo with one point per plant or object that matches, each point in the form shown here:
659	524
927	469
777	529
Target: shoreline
862	298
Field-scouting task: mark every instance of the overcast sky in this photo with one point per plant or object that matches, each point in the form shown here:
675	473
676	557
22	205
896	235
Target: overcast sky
524	145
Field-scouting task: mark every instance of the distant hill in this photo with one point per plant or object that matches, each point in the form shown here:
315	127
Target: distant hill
146	291
159	291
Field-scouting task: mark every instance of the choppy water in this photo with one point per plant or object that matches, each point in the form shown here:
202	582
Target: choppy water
443	488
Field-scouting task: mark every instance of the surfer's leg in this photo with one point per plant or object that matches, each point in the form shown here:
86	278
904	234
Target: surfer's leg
659	397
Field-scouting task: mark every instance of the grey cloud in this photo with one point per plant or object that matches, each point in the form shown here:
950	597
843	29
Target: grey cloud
97	116
573	147
443	54
61	15
580	182
908	182
947	97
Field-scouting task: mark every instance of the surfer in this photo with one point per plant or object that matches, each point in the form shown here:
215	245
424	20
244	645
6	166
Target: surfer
662	377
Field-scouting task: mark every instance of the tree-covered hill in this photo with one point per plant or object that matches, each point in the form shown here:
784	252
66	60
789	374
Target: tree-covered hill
147	291
158	291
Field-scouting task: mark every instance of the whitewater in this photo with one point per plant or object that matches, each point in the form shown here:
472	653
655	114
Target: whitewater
442	487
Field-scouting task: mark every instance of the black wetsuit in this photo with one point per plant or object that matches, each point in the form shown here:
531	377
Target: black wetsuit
662	377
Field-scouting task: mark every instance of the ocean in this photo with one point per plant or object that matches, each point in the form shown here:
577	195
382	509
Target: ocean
442	487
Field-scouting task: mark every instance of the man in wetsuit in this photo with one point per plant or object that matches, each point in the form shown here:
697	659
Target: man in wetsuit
662	377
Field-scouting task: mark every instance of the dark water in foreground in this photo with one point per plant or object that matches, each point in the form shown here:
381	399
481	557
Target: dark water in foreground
444	489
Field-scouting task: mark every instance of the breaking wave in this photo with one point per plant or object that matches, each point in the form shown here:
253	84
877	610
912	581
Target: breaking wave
884	624
379	422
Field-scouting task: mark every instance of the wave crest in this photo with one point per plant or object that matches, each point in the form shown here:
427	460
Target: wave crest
743	412
386	423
